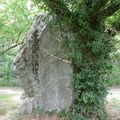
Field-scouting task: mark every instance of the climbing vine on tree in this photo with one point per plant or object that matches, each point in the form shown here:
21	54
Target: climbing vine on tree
88	47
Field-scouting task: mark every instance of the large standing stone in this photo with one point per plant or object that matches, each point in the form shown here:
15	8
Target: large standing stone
43	74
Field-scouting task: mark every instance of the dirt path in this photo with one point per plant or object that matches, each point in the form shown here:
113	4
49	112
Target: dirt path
14	91
114	92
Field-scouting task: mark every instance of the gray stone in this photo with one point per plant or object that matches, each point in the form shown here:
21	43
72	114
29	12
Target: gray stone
43	74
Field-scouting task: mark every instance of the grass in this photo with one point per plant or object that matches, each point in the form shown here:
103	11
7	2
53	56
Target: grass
6	103
5	97
8	83
114	77
114	103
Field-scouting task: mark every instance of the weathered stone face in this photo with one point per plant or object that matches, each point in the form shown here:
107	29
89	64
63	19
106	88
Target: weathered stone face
43	74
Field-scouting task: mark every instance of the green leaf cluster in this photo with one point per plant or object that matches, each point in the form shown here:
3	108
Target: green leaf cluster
15	20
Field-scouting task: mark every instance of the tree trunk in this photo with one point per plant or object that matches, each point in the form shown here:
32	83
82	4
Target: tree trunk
88	81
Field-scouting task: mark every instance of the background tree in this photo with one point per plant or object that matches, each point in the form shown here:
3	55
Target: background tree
88	46
15	20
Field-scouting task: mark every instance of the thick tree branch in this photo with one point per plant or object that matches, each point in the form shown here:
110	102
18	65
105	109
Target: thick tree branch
13	46
58	7
111	9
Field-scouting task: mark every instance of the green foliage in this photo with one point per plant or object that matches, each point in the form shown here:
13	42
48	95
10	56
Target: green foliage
115	75
89	81
114	21
6	75
15	20
115	56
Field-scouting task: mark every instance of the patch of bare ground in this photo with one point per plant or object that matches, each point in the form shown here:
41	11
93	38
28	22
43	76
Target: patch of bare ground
113	114
113	103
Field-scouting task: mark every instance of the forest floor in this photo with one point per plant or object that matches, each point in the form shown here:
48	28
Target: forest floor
10	100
